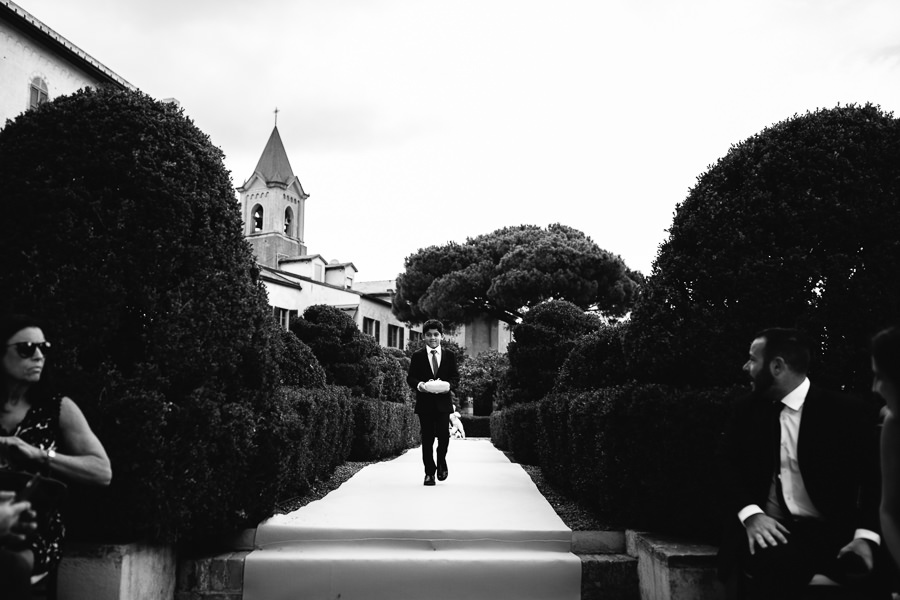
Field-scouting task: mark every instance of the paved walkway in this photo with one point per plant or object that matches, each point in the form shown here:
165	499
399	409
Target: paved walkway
486	532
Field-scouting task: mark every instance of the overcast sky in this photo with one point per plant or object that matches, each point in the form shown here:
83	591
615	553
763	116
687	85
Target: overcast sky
415	122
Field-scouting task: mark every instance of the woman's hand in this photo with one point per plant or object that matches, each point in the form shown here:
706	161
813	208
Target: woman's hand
16	448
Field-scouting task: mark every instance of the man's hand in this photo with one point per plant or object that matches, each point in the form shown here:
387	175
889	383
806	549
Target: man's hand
861	548
764	531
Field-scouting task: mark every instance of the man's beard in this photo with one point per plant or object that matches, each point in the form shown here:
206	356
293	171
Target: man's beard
763	382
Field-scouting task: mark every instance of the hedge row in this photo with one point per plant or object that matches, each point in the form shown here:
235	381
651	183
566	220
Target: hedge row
476	426
514	429
641	456
382	429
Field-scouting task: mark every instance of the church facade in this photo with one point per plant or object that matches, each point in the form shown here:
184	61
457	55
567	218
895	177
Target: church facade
273	205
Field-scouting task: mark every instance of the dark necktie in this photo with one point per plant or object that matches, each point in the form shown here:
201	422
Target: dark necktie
434	365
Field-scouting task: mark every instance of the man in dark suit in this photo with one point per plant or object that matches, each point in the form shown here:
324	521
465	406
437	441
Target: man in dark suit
432	375
801	478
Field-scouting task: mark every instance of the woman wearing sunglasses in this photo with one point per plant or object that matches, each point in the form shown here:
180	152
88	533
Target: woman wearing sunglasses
42	432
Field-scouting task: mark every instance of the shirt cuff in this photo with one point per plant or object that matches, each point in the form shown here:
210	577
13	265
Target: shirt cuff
748	511
867	535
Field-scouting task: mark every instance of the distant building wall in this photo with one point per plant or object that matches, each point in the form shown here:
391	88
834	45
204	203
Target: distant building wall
481	334
33	54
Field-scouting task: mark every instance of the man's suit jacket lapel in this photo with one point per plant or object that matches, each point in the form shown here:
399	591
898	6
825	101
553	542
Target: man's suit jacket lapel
812	429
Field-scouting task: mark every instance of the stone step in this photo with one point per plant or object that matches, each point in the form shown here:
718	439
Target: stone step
402	572
220	577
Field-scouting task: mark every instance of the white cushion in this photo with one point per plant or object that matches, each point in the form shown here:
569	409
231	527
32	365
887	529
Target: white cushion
436	386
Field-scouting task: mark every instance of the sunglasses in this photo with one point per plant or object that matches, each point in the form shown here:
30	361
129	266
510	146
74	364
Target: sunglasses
27	349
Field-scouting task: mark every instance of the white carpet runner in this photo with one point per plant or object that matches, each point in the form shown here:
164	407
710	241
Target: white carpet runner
484	533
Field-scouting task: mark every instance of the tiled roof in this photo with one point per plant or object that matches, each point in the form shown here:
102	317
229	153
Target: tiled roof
273	165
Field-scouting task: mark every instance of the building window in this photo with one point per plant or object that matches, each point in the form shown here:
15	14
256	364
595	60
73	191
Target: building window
284	315
257	219
38	92
414	336
288	219
318	272
373	328
395	336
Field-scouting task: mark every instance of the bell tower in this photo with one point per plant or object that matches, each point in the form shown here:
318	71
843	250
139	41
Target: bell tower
273	206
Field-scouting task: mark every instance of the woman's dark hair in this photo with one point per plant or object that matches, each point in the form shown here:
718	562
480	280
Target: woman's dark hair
14	323
10	325
886	353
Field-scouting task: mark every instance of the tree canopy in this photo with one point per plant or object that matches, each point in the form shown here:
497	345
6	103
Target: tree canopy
796	226
506	272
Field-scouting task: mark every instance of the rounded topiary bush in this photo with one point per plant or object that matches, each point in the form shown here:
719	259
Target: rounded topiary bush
124	234
541	343
349	357
298	364
596	360
795	226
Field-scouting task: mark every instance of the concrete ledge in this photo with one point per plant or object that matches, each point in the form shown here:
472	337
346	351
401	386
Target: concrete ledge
116	572
219	577
598	542
673	569
609	577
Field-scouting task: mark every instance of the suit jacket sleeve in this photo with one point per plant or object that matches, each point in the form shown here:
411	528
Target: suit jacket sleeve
418	370
451	373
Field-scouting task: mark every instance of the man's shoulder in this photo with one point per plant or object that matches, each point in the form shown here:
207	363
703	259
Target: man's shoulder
840	402
826	395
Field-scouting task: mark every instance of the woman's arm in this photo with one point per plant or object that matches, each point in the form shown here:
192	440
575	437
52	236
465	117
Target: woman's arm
890	491
81	456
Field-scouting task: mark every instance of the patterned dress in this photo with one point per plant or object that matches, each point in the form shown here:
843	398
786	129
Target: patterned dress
40	428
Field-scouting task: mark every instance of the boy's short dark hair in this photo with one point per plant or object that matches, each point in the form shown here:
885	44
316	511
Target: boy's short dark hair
433	324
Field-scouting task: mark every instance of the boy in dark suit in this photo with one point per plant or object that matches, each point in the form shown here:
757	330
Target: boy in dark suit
432	375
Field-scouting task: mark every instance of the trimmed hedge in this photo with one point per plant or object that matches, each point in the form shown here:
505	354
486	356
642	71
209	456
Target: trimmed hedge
515	430
304	435
382	429
641	456
476	426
